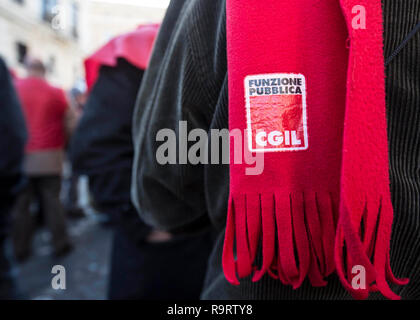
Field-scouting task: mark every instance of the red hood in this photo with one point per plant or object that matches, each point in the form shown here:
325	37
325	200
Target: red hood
135	47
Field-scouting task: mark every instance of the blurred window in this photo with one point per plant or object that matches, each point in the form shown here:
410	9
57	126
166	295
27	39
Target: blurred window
75	20
21	51
51	64
48	10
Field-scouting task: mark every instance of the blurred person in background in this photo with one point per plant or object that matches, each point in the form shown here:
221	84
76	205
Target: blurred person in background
46	110
76	97
70	193
145	263
12	143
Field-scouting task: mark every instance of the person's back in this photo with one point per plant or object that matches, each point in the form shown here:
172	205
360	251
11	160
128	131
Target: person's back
175	197
145	263
45	110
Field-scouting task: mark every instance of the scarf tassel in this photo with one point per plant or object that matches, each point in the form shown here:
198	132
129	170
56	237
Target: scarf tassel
299	236
293	232
369	250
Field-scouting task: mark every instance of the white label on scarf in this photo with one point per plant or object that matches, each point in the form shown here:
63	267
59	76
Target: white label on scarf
276	112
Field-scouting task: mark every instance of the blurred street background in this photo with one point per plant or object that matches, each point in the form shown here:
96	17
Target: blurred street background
87	266
62	34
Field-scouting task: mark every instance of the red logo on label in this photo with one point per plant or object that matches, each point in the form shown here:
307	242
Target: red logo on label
276	112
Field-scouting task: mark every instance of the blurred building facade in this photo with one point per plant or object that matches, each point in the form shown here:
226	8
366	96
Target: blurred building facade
104	19
48	29
63	32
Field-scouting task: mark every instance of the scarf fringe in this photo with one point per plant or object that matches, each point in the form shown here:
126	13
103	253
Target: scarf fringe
370	249
300	236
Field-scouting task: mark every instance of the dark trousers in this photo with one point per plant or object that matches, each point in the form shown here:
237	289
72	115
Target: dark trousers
48	188
171	270
8	287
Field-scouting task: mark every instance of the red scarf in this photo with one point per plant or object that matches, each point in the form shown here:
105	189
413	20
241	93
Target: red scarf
314	95
135	47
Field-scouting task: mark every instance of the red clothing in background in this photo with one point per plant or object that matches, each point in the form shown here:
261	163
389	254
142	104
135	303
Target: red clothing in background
44	107
135	47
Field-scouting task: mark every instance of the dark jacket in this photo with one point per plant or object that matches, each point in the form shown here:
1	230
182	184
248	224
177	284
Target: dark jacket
187	81
12	143
102	146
